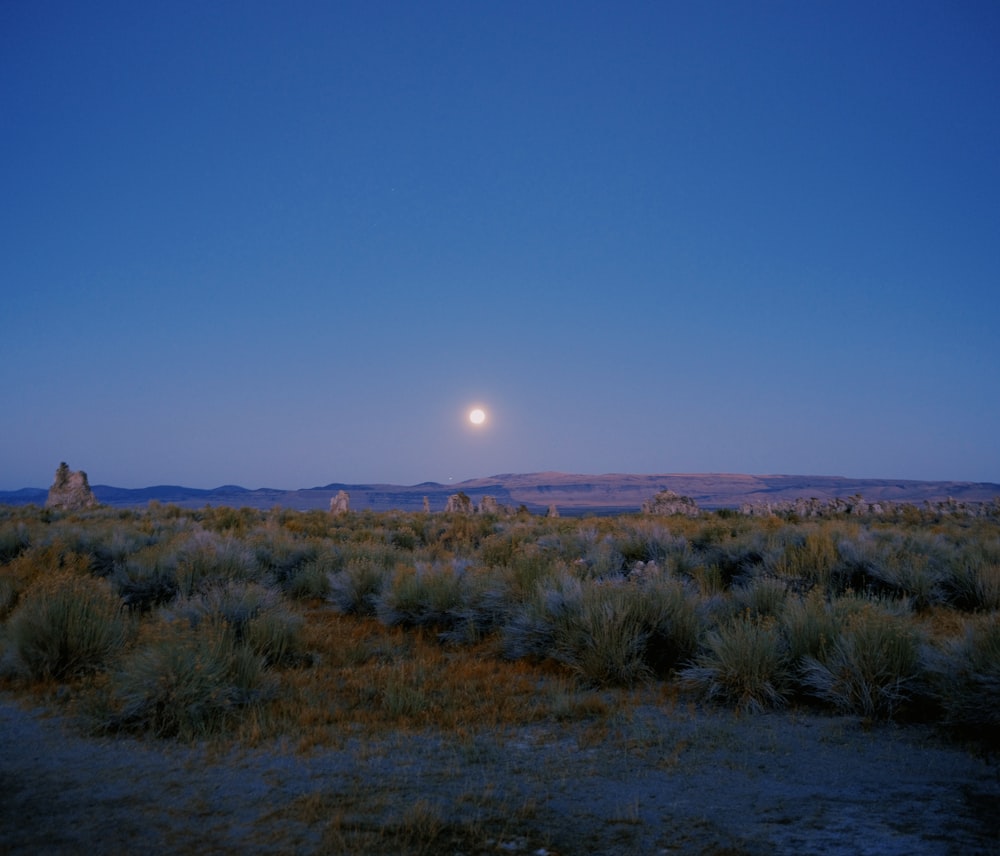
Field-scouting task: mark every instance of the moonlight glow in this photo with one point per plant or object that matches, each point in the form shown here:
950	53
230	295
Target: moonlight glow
477	416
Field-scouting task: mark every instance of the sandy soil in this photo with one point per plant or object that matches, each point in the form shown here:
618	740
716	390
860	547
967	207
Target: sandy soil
654	782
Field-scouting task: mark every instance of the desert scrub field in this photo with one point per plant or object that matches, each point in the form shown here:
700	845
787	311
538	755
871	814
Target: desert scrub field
237	622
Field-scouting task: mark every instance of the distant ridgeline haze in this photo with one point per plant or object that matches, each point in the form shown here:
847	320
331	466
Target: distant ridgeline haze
571	494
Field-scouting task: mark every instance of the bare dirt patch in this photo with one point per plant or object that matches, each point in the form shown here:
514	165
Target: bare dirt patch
651	780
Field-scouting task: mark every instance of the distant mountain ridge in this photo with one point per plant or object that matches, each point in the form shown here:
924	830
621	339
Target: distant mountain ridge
571	493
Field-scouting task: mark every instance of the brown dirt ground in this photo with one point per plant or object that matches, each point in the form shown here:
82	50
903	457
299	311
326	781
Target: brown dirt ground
650	781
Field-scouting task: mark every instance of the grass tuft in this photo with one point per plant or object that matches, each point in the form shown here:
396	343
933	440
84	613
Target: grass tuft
871	668
67	625
967	677
355	590
186	682
744	663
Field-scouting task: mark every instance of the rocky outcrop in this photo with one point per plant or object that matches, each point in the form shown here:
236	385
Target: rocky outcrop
553	511
341	503
70	491
858	506
813	507
489	505
427	505
964	509
459	503
668	502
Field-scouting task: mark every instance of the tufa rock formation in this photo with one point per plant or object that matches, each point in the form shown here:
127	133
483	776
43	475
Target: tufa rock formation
489	505
341	503
668	502
856	505
552	512
427	505
70	491
458	503
813	507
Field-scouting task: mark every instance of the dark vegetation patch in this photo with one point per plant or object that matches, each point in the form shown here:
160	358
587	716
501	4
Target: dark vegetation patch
295	623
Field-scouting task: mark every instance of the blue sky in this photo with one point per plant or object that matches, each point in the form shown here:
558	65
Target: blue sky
290	244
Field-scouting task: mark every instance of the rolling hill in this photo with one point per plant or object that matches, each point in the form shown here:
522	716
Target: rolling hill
570	493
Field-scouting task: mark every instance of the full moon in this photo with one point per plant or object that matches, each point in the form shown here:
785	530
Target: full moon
477	416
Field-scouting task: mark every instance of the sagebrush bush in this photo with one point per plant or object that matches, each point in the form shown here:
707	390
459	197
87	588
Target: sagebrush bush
806	555
755	608
601	559
9	594
744	663
530	629
912	575
605	640
73	542
641	540
145	584
858	556
275	635
822	545
609	632
124	544
498	550
14	540
674	623
424	595
852	603
810	625
485	604
527	568
872	666
282	558
254	615
186	682
400	690
383	555
709	579
206	557
681	560
735	555
967	678
310	579
762	596
227	602
973	581
65	625
355	590
35	564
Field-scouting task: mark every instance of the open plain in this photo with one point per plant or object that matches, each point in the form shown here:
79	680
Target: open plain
226	680
648	779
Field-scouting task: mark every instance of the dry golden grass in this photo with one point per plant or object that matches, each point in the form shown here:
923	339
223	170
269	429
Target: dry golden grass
365	820
348	675
370	678
942	623
28	568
